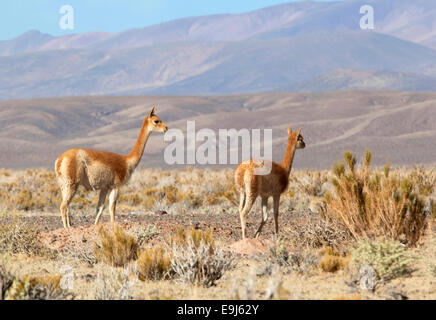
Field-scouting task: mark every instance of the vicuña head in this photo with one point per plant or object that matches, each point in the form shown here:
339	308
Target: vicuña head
273	184
296	135
101	170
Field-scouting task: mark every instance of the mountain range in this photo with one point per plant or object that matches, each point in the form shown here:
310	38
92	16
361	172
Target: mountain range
296	47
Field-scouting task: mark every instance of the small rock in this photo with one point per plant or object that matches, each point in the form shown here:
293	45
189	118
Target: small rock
89	277
160	212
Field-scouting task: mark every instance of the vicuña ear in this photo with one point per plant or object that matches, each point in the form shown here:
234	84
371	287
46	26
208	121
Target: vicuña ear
151	113
298	131
289	130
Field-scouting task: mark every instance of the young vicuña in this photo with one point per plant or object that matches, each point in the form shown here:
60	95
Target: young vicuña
251	185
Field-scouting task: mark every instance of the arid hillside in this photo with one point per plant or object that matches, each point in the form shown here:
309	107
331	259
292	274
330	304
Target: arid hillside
399	127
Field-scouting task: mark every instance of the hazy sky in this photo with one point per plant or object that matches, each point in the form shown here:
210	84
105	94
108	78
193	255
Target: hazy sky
19	16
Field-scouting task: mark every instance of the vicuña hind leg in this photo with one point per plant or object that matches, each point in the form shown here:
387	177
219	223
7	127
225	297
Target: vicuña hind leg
113	197
264	216
249	201
100	205
68	192
276	200
241	200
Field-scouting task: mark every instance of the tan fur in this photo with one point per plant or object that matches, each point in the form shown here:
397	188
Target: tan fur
101	170
251	186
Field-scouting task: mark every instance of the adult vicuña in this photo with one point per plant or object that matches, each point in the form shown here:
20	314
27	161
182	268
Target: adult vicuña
251	186
101	170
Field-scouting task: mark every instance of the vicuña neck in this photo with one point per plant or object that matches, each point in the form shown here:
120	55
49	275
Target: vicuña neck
289	156
138	149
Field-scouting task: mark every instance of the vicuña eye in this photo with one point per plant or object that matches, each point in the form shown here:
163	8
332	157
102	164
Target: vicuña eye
156	121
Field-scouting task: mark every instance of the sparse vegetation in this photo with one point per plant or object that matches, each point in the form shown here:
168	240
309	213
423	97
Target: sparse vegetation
37	288
28	287
309	260
19	237
372	204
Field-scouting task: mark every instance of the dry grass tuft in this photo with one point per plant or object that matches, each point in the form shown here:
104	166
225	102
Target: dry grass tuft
181	237
116	247
153	263
332	261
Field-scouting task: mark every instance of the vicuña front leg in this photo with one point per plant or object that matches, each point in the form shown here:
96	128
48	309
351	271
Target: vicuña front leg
113	197
100	205
264	216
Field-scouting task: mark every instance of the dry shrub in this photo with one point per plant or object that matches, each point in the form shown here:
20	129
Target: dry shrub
424	181
81	251
144	234
5	172
303	261
332	261
31	190
275	289
153	263
309	182
389	259
37	288
195	259
19	237
198	265
313	232
113	284
116	247
278	254
354	296
23	200
181	237
371	204
6	281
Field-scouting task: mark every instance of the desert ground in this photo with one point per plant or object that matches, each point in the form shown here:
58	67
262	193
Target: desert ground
142	256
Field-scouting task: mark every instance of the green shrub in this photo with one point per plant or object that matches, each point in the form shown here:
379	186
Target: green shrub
388	258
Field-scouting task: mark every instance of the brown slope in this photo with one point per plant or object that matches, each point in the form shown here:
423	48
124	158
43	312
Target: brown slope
397	126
